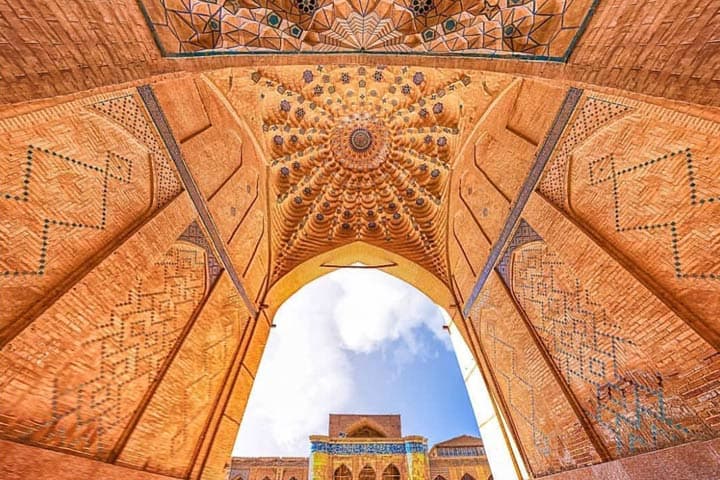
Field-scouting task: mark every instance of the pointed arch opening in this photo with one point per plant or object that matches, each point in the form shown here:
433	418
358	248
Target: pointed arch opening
367	473
365	432
391	472
366	428
342	473
363	257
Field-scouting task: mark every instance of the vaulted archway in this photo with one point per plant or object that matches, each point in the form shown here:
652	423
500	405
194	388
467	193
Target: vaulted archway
159	201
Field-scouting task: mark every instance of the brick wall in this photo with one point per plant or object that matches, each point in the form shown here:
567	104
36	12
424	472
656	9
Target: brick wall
127	309
274	468
644	180
55	48
693	461
388	425
616	283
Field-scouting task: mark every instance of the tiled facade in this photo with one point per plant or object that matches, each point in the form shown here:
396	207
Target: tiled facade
538	30
369	446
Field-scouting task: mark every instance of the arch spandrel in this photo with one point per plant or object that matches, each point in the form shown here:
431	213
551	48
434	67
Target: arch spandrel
358	255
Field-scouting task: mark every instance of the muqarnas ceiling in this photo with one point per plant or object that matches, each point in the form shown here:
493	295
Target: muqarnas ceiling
528	29
359	153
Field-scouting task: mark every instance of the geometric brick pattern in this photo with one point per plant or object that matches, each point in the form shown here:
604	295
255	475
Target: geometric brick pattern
648	183
158	117
604	170
80	396
195	234
502	353
552	436
637	406
594	114
115	167
72	184
536	29
126	111
543	155
523	234
176	416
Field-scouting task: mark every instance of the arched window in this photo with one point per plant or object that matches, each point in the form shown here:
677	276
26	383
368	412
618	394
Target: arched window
467	477
365	432
439	477
293	478
342	473
391	473
367	473
266	478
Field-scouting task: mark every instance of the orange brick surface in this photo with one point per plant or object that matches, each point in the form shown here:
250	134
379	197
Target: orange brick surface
127	349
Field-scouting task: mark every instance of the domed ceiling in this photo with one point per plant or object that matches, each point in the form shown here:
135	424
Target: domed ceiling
359	153
539	29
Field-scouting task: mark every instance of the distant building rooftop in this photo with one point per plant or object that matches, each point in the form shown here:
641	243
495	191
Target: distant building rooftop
462	446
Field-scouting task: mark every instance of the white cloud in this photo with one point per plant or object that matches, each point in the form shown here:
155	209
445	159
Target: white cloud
306	371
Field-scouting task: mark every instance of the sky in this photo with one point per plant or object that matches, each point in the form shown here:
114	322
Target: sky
354	341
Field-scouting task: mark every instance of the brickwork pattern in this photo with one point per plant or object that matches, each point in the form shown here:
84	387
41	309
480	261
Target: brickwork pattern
456	468
54	48
594	114
543	29
524	234
387	425
62	467
257	468
647	184
72	183
78	391
655	56
195	234
177	414
552	436
210	133
126	111
490	171
637	400
693	461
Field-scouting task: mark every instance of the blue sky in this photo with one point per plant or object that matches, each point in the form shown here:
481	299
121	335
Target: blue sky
354	341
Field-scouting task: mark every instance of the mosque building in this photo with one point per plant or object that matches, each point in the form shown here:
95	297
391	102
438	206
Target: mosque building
371	447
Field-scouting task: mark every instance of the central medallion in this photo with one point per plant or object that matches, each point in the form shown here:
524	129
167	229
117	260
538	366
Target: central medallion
361	139
360	142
